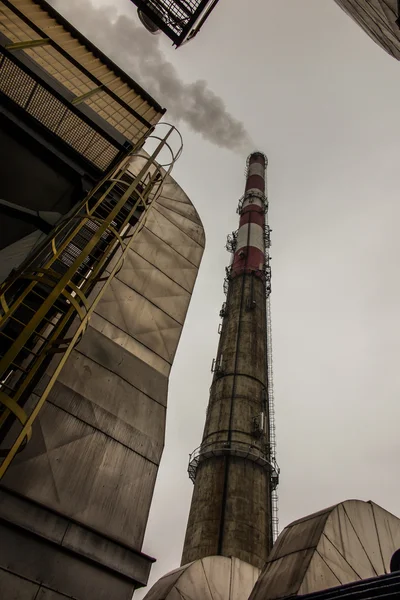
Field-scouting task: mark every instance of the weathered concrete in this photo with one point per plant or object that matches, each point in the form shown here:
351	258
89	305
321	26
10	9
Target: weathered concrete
231	511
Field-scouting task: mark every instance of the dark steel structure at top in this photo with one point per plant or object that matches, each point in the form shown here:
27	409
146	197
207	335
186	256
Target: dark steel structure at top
234	470
180	20
380	19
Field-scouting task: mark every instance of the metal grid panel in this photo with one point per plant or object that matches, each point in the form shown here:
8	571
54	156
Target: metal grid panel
54	114
79	84
23	87
70	75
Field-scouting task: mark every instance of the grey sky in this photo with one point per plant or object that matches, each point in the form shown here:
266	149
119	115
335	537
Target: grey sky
322	100
124	39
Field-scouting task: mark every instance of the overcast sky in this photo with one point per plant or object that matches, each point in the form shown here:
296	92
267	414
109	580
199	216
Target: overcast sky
322	100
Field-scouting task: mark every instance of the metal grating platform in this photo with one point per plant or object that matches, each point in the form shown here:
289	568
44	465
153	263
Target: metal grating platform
55	113
180	20
238	449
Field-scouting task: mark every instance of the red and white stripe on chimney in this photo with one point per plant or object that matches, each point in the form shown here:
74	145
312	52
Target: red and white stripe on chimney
249	256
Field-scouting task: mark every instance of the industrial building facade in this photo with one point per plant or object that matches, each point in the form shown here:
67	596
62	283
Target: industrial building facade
380	19
81	196
234	470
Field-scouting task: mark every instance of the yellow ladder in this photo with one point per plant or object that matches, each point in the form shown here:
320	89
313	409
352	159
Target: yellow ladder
46	304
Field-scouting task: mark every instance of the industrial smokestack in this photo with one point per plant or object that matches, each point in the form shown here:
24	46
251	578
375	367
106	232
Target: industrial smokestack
234	470
232	522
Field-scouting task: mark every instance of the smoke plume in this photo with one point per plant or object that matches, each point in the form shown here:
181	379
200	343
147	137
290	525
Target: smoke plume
137	52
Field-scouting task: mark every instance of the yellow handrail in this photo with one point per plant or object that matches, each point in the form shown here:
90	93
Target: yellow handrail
41	303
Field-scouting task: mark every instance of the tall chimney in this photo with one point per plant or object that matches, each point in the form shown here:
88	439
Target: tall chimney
234	470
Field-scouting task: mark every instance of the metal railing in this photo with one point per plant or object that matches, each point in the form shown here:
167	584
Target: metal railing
53	112
253	194
233	448
45	306
231	241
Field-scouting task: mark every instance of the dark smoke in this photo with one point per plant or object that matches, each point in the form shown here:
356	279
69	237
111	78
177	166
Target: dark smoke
137	52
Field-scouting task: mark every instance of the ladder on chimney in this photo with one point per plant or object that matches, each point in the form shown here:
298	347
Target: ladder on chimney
271	401
272	435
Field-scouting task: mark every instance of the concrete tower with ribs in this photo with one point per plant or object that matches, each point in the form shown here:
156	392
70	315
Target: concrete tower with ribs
234	470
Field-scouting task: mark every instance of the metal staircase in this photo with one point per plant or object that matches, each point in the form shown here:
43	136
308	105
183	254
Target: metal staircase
46	304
